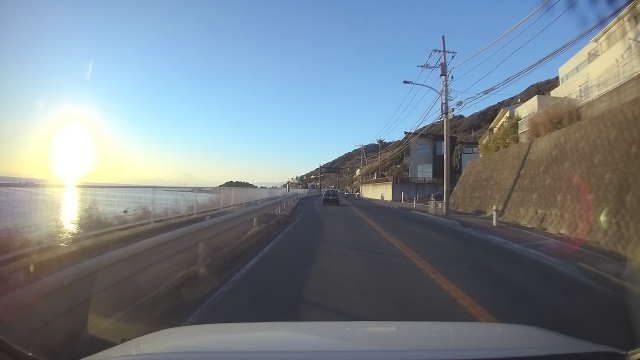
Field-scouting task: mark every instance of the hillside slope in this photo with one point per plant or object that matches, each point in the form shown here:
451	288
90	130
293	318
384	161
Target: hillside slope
468	128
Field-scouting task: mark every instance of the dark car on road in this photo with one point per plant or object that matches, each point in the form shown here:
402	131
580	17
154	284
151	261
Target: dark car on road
330	196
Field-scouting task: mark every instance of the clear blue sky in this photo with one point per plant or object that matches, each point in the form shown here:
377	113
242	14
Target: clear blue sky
249	90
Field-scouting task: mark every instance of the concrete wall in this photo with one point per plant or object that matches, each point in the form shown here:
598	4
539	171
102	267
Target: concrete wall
582	181
389	191
486	181
421	191
378	191
625	93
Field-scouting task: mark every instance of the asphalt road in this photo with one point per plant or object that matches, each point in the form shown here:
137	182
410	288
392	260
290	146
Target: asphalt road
364	261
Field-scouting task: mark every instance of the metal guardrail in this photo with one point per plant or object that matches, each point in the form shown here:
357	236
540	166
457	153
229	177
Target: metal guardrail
34	215
64	302
435	207
81	270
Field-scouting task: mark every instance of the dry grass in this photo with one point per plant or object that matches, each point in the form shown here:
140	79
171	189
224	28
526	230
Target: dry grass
554	118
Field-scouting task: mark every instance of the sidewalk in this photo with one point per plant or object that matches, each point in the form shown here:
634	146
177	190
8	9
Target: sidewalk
603	265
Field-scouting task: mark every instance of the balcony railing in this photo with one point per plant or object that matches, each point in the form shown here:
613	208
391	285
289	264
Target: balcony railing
425	180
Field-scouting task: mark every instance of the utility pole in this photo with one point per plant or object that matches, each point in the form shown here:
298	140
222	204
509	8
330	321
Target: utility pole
444	75
379	157
444	112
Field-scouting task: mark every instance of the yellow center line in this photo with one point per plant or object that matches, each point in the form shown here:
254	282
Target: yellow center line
472	307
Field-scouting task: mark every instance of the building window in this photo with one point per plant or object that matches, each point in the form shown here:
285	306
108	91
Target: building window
470	149
423	149
439	147
424	171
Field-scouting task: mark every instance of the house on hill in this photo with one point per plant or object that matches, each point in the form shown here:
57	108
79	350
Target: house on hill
610	59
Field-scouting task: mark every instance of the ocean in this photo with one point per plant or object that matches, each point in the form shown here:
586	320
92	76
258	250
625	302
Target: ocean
33	215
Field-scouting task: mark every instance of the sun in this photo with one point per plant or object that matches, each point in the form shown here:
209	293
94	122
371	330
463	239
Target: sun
72	152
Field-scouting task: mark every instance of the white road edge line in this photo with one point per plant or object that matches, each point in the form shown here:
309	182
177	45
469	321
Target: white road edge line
557	264
238	275
437	218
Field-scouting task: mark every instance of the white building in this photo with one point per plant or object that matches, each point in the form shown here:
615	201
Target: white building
609	59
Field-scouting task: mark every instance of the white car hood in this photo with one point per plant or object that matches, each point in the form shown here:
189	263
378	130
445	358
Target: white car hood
353	340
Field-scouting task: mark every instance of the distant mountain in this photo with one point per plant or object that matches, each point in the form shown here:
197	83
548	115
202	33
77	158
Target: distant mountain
467	128
240	184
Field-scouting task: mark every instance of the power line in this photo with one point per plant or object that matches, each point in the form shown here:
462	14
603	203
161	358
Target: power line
406	141
395	112
393	116
518	49
547	9
519	74
505	33
406	113
406	110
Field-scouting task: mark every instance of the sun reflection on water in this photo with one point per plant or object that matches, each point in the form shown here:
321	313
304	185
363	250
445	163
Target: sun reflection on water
69	213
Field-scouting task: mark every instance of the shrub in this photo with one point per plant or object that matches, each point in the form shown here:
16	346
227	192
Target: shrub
553	118
502	138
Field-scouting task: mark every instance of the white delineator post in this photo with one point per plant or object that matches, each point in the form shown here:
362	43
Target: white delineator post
402	197
495	216
414	202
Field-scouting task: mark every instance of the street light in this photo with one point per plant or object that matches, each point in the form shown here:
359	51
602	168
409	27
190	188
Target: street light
409	82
